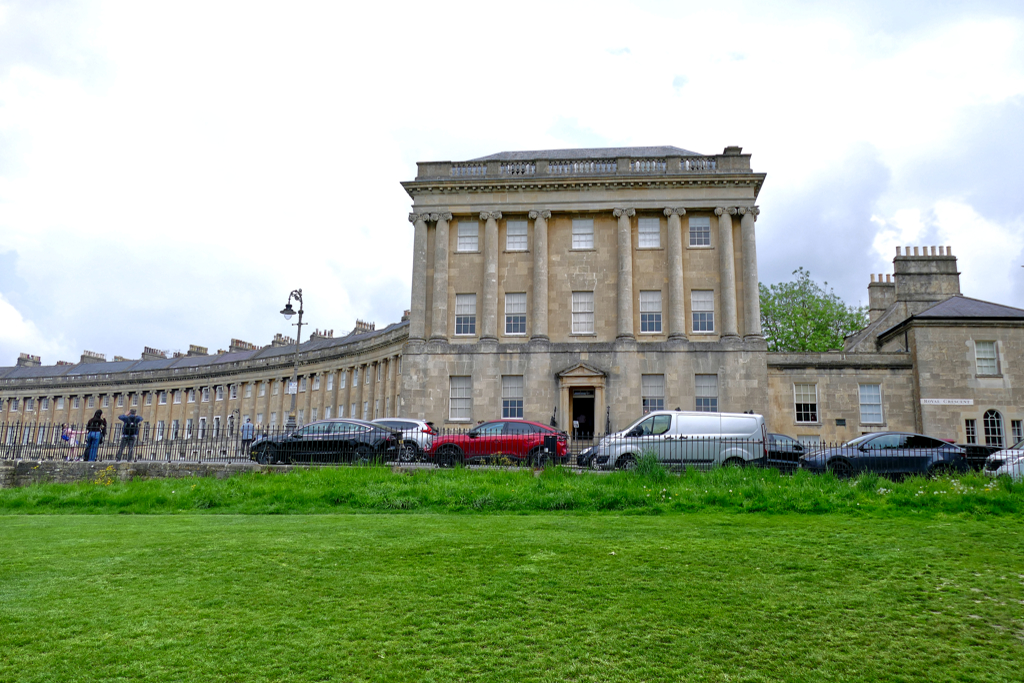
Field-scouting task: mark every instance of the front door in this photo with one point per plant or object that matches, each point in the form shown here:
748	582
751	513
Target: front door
583	413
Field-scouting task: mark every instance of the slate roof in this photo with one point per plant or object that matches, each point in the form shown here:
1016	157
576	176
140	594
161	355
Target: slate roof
42	371
595	153
966	307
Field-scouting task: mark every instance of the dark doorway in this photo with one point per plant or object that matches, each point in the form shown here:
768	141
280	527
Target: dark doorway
583	413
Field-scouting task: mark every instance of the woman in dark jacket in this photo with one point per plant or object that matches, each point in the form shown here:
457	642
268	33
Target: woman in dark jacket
96	429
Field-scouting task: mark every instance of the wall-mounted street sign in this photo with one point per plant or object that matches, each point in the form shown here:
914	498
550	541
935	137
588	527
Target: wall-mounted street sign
292	388
947	401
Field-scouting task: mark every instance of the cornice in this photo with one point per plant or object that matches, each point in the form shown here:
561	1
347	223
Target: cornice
554	184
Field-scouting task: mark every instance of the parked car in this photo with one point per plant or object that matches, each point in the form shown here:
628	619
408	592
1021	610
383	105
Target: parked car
888	453
417	436
1008	462
337	440
784	452
689	439
977	454
518	440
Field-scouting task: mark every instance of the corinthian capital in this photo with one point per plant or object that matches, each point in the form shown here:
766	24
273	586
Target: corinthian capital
618	213
722	210
678	211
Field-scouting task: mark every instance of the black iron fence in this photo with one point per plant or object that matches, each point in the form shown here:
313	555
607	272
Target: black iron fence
342	442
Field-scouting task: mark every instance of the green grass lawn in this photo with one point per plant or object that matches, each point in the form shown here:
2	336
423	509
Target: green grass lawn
714	596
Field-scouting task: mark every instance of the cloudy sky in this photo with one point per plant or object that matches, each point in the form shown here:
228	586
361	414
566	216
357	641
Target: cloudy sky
170	171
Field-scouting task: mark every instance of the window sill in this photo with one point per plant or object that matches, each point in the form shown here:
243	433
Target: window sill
583	249
704	334
999	376
583	334
699	246
516	251
475	251
650	248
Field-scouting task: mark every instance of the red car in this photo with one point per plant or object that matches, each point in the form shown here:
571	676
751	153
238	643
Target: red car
517	440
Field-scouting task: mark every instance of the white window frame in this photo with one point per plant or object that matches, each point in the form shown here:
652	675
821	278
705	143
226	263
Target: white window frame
871	404
190	396
219	392
650	311
205	394
800	391
460	398
316	382
161	398
582	234
701	237
986	357
468	239
515	313
342	380
705	393
176	397
702	311
233	391
330	382
648	233
512	397
59	403
652	393
465	315
582	313
516	236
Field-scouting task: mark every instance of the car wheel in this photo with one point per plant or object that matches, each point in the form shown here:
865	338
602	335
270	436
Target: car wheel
409	452
449	456
538	458
841	469
626	462
267	456
735	462
364	455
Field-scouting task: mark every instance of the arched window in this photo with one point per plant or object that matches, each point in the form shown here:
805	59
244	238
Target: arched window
993	428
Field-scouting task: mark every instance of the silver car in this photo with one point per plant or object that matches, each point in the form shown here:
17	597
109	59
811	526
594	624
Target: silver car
417	436
1009	462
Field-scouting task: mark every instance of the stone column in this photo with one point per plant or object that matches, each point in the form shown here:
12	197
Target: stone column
418	312
751	293
439	321
625	288
372	393
489	324
539	295
727	271
676	290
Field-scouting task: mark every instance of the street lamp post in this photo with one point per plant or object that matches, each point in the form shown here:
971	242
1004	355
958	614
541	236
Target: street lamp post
288	312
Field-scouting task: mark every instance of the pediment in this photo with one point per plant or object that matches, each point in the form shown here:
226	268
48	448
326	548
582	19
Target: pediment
581	370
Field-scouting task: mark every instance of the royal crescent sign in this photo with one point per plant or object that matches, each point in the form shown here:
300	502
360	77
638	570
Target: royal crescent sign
947	401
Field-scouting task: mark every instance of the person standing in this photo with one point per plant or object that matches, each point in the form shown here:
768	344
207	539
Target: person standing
246	432
95	431
129	433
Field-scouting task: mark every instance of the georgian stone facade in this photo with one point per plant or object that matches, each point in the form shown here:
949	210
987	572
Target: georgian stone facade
585	285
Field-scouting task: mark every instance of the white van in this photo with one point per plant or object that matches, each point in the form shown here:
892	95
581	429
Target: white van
684	439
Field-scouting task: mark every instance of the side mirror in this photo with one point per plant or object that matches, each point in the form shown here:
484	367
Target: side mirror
471	435
635	432
296	435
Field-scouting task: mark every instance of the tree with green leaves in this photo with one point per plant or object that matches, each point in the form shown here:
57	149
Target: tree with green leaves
802	316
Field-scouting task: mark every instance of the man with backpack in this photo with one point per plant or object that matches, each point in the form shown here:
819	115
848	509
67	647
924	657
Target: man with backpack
129	433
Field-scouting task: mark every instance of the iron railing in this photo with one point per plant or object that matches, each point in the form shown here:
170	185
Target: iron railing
338	442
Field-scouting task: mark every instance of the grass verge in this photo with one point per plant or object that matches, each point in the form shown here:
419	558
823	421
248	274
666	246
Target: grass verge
648	491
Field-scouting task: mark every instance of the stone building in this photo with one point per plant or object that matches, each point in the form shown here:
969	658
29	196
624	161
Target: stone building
588	285
197	394
585	285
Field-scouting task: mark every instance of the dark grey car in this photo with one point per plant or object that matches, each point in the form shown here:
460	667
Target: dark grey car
890	453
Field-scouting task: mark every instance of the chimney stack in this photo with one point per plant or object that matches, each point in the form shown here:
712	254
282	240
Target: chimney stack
27	360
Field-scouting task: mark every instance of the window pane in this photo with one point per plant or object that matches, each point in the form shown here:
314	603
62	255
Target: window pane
652	391
806	402
871	403
469	232
650	311
700	231
515	313
985	352
993	423
465	314
706	393
649	233
512	396
702	305
582	233
582	312
460	398
515	236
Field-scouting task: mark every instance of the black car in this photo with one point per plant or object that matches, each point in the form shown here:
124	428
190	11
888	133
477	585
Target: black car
337	440
891	453
784	452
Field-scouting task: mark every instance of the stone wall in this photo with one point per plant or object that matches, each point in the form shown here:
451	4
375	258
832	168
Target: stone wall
14	473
